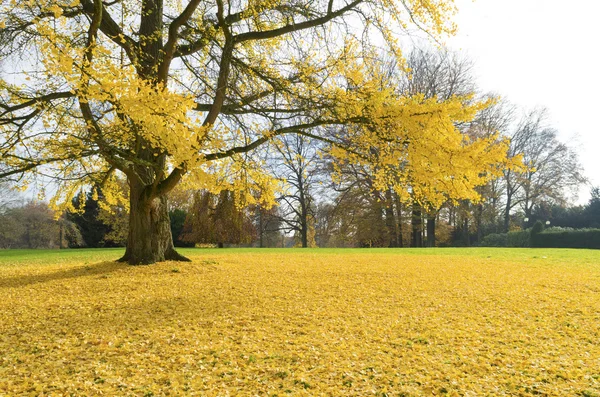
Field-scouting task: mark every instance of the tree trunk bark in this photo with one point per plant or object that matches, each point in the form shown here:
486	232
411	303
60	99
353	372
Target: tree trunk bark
431	230
417	226
261	228
507	207
479	222
507	216
390	220
304	234
399	241
528	212
466	236
149	240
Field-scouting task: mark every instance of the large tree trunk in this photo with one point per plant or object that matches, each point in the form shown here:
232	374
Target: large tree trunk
150	238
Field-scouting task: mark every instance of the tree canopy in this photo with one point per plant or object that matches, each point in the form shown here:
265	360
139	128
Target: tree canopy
181	92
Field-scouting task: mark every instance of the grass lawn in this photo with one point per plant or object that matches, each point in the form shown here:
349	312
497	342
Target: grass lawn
317	322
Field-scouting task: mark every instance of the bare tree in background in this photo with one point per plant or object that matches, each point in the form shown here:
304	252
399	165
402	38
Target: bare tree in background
497	118
8	197
298	165
554	168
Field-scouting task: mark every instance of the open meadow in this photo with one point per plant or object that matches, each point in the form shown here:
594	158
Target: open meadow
315	322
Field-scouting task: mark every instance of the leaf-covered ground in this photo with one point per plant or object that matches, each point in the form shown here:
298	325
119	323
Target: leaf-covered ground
303	323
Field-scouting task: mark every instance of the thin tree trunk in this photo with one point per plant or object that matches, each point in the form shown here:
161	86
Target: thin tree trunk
431	229
507	207
507	216
466	236
261	228
399	236
417	226
390	221
479	222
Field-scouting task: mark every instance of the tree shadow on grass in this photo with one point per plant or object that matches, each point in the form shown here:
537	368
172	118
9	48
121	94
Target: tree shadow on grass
97	269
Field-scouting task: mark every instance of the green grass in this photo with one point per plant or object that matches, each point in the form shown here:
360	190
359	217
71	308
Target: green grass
50	257
87	256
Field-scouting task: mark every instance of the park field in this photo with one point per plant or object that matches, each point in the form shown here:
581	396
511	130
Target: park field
316	322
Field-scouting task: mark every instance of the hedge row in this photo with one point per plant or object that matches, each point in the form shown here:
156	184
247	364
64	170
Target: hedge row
578	238
550	238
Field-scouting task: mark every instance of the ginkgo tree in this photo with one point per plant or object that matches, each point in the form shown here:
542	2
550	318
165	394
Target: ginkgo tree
181	92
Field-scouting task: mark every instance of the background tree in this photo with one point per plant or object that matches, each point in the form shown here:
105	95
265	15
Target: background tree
267	222
419	185
216	219
33	225
553	167
232	223
576	217
101	224
297	166
592	210
8	196
86	218
497	118
178	217
12	230
362	211
440	75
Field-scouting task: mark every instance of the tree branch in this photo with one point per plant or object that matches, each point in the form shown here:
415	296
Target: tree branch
111	29
36	100
171	45
269	34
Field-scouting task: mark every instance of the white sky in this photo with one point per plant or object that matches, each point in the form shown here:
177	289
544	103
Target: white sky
540	53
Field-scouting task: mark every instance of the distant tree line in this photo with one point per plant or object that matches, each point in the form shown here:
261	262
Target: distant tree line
32	225
357	219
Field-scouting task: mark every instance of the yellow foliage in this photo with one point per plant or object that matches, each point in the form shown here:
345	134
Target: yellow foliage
303	323
413	145
138	120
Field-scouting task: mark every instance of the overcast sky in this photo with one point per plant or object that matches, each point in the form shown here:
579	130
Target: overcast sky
541	53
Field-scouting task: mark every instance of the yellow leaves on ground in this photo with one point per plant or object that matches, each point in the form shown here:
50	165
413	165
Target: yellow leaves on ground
306	323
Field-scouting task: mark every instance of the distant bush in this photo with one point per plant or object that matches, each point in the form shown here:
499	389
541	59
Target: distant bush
556	229
576	238
518	238
537	228
534	235
494	240
554	237
568	230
